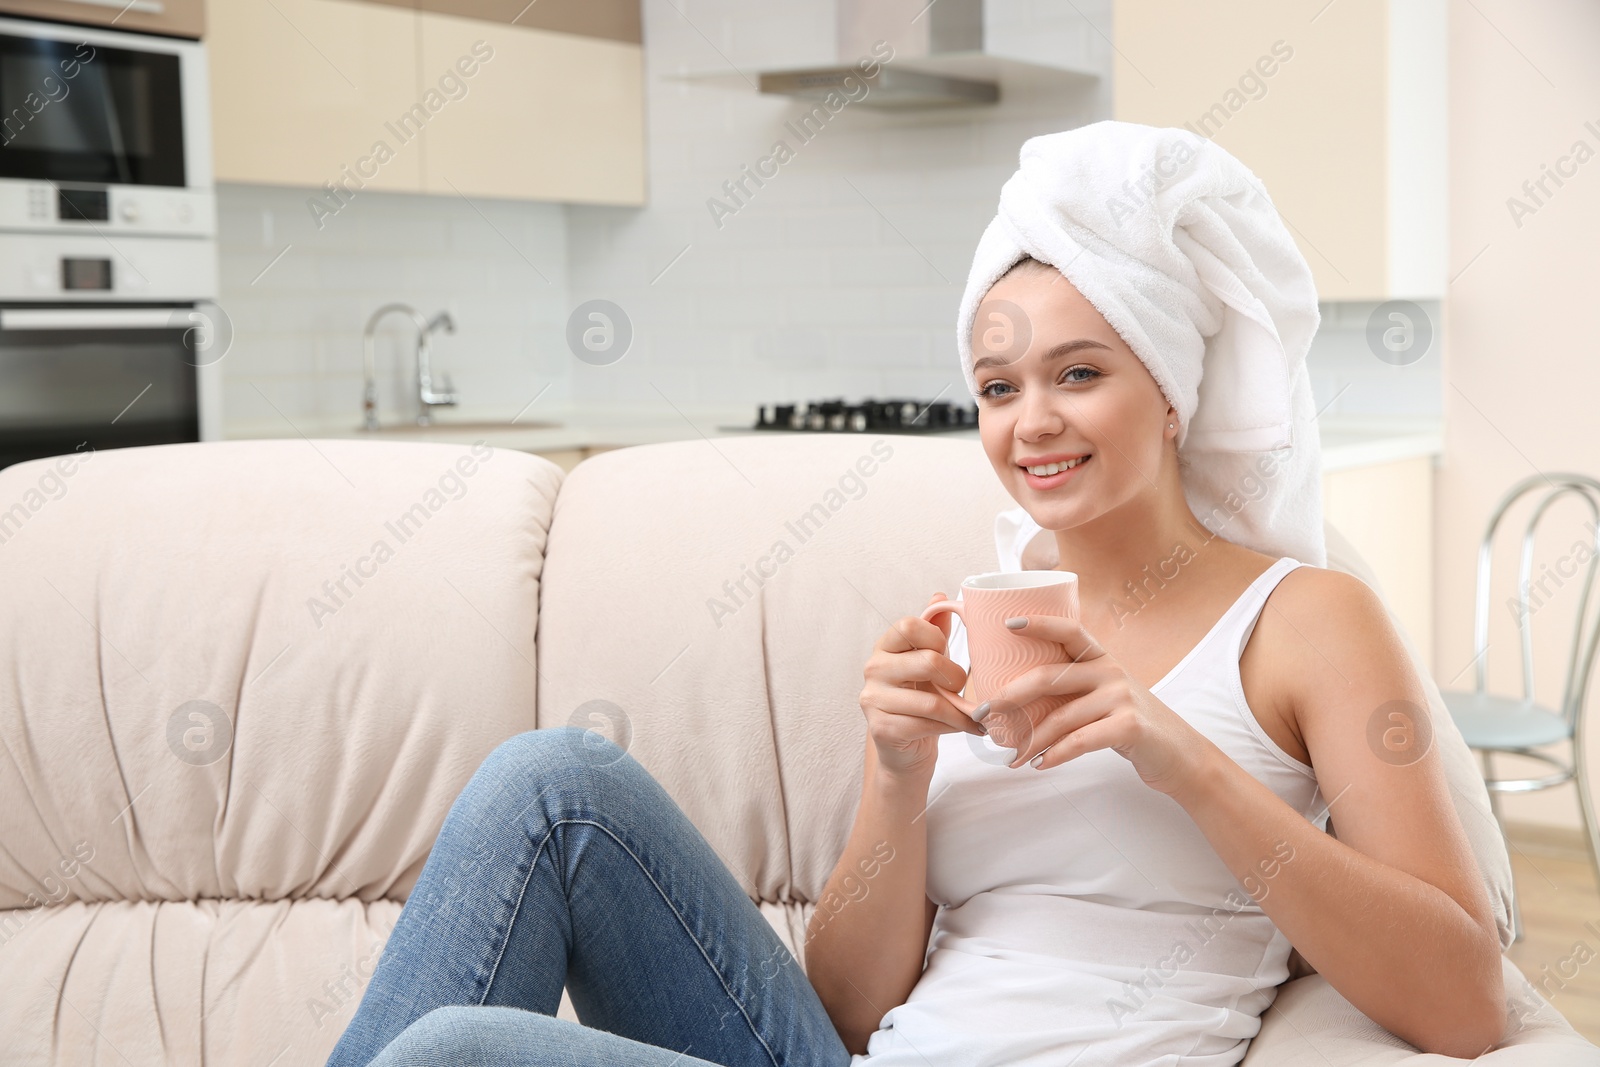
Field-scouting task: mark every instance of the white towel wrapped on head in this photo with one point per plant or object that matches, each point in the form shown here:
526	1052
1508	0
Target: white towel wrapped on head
1176	243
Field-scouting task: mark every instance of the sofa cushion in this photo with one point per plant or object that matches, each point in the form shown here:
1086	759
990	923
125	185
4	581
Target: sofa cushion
235	982
1310	1023
709	605
255	671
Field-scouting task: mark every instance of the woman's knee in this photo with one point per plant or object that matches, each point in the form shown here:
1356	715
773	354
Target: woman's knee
436	1037
464	1036
556	749
555	764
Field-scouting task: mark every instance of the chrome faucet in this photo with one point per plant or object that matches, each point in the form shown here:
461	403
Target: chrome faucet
425	392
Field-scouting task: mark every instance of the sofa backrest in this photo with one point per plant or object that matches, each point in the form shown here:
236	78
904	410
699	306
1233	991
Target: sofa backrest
715	602
710	605
244	682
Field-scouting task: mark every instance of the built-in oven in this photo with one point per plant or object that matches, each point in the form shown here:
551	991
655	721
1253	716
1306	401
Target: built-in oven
79	378
108	260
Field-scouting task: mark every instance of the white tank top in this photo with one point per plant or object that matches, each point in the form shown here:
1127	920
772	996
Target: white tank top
1084	919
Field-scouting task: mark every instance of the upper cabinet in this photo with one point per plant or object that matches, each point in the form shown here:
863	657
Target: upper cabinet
358	94
179	18
1340	110
560	114
304	90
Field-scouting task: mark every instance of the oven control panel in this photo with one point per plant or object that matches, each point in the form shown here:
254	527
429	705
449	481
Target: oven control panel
87	267
52	207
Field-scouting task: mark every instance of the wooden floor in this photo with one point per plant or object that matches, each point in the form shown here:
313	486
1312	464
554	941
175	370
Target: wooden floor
1560	922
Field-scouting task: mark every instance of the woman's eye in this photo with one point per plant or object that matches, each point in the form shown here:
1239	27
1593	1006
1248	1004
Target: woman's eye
1089	375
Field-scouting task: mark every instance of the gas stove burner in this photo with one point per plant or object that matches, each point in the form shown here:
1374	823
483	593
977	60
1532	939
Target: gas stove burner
869	416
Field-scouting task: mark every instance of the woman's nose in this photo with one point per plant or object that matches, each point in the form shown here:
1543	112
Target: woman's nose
1039	416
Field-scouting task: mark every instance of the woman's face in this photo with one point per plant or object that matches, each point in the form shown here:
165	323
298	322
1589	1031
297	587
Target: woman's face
1057	383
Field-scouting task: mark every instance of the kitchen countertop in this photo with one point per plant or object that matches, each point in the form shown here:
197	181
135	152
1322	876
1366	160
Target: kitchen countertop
586	427
1354	441
1347	441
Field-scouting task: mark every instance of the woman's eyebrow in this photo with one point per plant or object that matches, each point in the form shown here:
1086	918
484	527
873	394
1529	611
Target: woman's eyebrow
1065	348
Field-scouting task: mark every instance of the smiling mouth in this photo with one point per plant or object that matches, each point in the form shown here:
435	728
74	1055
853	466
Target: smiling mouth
1050	475
1045	469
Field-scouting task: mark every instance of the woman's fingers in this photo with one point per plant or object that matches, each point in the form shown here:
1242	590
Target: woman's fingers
927	665
1078	642
918	704
907	665
1101	733
1053	679
1008	724
911	633
1061	723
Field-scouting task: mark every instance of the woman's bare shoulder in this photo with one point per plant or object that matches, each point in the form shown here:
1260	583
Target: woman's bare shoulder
1313	620
1308	586
1317	621
1314	602
1241	565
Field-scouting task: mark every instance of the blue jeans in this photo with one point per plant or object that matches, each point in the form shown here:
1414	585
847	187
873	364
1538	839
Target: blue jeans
563	862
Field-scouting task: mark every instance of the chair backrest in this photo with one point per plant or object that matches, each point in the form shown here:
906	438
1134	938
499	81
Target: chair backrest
1585	631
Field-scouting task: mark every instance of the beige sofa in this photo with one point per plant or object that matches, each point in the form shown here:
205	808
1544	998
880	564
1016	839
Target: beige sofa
245	680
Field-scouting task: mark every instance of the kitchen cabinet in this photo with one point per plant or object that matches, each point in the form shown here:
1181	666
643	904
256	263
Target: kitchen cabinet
180	18
617	20
1340	110
551	116
302	90
344	95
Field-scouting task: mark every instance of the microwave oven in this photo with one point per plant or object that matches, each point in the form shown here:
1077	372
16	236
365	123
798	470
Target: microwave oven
106	190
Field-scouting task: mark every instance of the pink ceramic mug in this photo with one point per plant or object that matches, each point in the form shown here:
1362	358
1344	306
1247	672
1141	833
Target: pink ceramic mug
997	654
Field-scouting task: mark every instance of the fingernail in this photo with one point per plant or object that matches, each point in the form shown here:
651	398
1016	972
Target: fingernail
981	710
982	729
1034	763
1017	622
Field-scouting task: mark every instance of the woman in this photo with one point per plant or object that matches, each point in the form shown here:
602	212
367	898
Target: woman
1078	904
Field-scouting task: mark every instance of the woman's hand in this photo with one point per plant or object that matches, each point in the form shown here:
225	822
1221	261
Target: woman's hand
904	715
1108	709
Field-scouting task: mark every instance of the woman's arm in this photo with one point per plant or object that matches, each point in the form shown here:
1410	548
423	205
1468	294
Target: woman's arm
866	941
1393	912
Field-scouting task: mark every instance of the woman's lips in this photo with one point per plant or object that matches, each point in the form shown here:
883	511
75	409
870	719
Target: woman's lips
1053	480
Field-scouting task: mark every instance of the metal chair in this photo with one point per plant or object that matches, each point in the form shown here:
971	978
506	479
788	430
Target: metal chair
1492	723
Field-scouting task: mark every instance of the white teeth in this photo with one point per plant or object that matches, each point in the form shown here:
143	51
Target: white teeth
1054	468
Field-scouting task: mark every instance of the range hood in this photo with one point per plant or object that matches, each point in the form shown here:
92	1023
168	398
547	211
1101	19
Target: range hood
949	53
